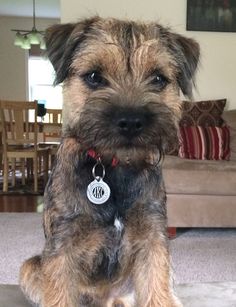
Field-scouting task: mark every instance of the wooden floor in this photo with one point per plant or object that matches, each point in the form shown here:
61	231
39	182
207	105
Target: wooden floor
20	203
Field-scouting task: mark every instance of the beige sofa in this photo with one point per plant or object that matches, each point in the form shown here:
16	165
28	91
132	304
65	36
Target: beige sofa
202	193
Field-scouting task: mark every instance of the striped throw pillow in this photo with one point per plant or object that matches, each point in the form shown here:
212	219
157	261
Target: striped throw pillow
205	143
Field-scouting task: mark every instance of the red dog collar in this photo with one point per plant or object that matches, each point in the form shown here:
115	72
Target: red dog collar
92	153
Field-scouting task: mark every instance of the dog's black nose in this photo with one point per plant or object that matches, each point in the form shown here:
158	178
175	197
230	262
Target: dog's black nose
131	125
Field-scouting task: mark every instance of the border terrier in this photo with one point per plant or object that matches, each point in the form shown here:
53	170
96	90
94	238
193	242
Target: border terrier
104	215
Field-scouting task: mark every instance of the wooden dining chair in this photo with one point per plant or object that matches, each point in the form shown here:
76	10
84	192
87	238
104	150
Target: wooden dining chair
53	116
52	125
20	136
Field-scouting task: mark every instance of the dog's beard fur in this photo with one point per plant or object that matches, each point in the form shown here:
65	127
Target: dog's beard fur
101	132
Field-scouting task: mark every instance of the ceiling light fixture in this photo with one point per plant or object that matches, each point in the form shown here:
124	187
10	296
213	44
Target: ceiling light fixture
26	38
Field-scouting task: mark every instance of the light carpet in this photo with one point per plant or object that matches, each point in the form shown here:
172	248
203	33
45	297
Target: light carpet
191	295
198	255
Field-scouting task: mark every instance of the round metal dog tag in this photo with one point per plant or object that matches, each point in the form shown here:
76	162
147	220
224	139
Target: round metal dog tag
98	192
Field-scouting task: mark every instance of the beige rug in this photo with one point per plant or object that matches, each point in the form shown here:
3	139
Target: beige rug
203	261
198	255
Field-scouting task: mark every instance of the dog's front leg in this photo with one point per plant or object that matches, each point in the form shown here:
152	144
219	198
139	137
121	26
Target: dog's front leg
152	276
59	284
146	244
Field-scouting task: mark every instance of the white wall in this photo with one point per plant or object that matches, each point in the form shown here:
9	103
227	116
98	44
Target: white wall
13	60
216	77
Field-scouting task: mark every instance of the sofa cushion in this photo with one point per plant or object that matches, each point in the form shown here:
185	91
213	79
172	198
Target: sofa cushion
202	113
206	143
209	177
230	118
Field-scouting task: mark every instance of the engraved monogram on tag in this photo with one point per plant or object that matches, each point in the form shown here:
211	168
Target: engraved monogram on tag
98	192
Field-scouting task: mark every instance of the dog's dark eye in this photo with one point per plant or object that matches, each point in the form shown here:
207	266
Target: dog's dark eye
94	80
159	80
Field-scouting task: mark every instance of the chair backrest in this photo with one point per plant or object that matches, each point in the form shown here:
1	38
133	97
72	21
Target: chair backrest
17	127
53	116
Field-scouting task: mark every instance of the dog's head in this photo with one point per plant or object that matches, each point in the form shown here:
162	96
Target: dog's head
122	81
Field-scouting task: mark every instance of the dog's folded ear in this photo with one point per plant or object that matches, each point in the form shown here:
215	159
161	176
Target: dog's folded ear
62	40
187	53
58	44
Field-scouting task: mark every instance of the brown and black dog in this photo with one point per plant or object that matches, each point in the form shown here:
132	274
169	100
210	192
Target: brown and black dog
104	216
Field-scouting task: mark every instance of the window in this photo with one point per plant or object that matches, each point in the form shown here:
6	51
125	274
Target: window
41	88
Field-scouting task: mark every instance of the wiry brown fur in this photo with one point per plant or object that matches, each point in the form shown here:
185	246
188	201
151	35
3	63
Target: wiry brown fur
88	259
